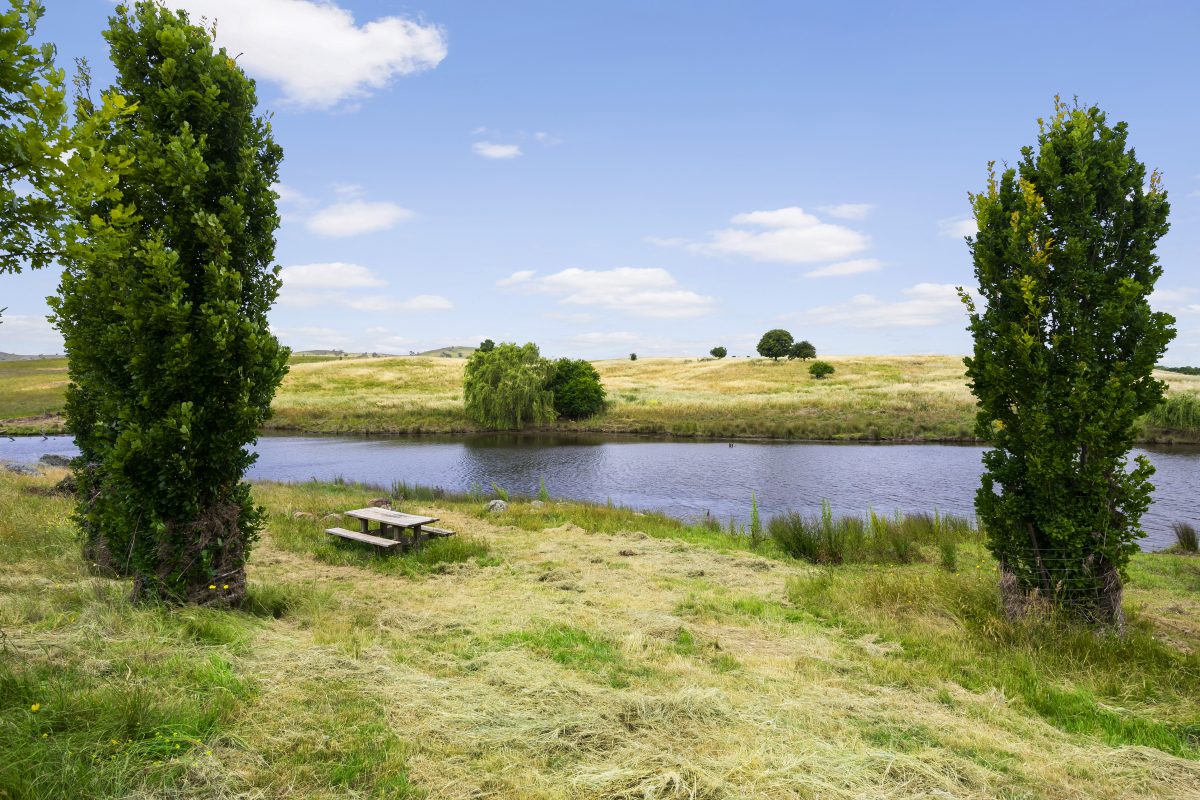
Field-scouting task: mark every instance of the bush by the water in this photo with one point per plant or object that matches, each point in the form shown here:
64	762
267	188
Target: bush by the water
576	388
826	539
506	387
1186	540
1179	411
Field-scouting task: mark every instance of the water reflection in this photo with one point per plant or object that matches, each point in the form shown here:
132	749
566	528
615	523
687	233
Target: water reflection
683	478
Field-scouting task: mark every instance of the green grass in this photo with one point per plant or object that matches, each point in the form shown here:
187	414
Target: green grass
869	398
567	650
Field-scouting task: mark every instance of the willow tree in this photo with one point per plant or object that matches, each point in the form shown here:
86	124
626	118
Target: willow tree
506	387
33	138
1065	344
163	308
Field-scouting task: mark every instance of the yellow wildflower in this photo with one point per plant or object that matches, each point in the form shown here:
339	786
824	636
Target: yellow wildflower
36	707
212	586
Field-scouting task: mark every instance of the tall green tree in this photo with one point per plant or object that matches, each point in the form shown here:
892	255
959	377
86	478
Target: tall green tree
506	387
576	389
775	344
1065	342
163	308
33	139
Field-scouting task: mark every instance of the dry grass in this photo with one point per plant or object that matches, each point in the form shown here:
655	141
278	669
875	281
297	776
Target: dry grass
868	398
571	664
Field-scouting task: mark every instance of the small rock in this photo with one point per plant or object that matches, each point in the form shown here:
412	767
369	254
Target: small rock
303	515
53	460
497	506
332	518
380	502
629	553
537	504
22	469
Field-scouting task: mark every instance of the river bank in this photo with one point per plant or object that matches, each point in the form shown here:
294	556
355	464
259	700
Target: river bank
868	398
592	652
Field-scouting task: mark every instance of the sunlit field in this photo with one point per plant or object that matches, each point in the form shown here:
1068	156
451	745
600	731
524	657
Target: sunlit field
867	398
564	650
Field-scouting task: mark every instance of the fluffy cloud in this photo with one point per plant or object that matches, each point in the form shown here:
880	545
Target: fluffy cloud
421	302
356	217
923	305
638	292
520	276
333	275
848	210
325	285
844	268
784	235
27	334
315	51
957	228
493	150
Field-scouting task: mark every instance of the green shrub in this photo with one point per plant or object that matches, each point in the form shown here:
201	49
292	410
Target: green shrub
576	387
633	356
487	346
820	369
506	387
718	352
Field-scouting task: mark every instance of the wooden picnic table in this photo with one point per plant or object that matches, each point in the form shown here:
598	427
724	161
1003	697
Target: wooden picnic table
392	525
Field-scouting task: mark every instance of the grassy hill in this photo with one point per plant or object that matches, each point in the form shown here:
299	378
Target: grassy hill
868	398
570	651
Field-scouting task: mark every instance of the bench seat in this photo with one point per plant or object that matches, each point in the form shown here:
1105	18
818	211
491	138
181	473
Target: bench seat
436	531
378	541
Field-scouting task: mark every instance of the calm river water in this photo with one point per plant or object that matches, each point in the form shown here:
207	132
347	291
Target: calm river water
687	479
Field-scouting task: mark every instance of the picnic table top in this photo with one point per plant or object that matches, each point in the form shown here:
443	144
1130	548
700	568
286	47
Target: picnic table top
386	517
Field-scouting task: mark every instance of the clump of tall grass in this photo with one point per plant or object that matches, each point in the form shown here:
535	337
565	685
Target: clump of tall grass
1186	540
875	538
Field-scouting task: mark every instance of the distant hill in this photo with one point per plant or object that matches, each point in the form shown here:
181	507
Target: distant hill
17	357
454	351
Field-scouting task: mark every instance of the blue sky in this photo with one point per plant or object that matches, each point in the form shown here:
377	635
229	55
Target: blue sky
663	177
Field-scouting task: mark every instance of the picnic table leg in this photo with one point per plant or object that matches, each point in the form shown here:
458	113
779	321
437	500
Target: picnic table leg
363	522
418	537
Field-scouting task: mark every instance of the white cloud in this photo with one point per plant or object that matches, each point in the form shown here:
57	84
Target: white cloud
312	338
575	317
355	217
784	235
547	139
520	276
289	195
334	275
493	150
844	268
315	51
638	292
605	337
957	228
848	210
1165	297
26	334
419	303
924	305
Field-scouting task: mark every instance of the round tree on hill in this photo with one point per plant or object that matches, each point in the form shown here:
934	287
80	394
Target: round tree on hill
487	345
802	350
163	309
718	352
577	390
1064	349
775	344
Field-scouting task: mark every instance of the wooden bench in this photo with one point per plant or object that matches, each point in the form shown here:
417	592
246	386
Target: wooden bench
436	532
378	541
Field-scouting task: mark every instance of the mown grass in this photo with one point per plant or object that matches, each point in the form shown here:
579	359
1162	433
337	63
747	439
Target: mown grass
564	650
920	398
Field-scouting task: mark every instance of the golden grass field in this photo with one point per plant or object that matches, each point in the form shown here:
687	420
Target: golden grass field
868	397
566	651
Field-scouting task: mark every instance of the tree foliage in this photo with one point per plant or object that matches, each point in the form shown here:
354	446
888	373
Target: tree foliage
633	356
33	140
718	352
820	369
487	346
802	350
1064	347
577	390
163	306
775	344
506	387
